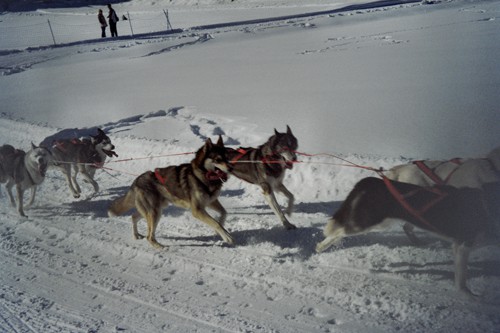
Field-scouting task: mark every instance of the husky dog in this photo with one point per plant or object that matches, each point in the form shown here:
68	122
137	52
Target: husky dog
193	186
23	169
265	166
467	217
81	155
472	172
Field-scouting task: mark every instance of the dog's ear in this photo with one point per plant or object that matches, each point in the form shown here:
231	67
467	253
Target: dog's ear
276	132
220	142
33	145
100	132
288	130
208	143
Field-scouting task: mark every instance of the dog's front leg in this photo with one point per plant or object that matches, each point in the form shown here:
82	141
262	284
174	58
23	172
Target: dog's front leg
32	198
271	200
20	194
217	206
290	197
202	215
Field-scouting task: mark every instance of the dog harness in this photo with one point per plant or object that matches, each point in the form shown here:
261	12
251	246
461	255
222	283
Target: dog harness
416	212
432	174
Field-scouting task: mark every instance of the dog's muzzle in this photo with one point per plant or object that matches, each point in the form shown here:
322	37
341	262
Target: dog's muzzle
216	175
110	153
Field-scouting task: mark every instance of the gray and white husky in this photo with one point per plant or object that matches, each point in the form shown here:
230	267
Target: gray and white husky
81	156
458	172
23	169
266	166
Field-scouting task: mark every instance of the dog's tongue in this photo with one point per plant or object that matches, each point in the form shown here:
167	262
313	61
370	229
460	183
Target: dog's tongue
216	175
289	165
110	153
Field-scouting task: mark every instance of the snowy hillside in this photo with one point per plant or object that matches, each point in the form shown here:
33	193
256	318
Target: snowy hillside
372	87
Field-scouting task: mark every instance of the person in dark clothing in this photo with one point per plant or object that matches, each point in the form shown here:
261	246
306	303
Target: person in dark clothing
112	19
103	23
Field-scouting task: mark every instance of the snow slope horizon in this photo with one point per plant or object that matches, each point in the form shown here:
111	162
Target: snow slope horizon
444	89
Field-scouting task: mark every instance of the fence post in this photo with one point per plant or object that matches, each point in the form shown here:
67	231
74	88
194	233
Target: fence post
51	32
169	26
130	23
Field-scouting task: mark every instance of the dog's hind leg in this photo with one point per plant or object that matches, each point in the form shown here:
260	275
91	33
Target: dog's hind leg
135	218
151	211
88	178
9	186
66	170
333	234
290	197
201	214
76	186
461	252
152	218
271	200
409	231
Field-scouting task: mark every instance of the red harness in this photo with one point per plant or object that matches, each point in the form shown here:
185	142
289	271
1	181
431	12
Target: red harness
416	212
242	153
211	176
432	174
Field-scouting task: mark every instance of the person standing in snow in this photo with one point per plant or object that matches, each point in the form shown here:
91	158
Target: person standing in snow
112	19
103	23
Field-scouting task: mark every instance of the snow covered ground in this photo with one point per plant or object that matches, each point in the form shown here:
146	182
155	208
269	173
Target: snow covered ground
376	86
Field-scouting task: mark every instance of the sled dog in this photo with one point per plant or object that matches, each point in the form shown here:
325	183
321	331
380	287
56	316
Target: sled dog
193	186
472	172
24	169
81	155
467	217
265	166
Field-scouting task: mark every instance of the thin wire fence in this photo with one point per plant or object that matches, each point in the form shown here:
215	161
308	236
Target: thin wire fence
57	30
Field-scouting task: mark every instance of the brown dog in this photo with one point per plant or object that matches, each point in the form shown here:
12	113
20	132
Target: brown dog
193	186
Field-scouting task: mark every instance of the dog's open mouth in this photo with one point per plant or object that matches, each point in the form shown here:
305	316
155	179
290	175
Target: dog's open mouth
42	169
288	164
215	175
110	153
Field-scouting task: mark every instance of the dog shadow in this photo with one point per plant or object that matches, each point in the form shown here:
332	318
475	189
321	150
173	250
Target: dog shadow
301	240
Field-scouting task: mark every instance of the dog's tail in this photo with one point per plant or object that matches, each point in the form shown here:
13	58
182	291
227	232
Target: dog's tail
123	204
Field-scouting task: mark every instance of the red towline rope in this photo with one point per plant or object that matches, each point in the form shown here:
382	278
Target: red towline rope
148	157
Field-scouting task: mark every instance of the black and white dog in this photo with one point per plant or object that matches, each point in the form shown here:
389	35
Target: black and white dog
81	156
467	217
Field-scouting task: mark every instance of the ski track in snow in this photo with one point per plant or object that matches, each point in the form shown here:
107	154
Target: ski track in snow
70	266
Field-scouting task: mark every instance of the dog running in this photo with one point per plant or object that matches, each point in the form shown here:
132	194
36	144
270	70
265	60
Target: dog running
266	166
195	186
467	217
81	156
25	170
